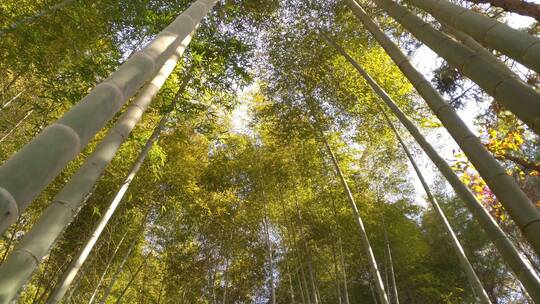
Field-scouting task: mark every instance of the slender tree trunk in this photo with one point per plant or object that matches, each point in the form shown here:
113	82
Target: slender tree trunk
300	261
7	103
37	15
69	297
521	46
343	271
373	296
302	296
118	271
392	289
270	261
509	252
522	7
291	288
16	126
31	169
133	277
341	257
474	281
76	265
50	283
363	234
108	265
336	272
306	255
225	281
269	248
506	87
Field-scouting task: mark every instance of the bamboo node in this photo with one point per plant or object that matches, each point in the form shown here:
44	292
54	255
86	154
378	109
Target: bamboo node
30	253
526	52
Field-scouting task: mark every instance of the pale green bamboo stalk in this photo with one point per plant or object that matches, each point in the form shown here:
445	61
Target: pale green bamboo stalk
517	96
118	271
521	46
513	258
16	126
394	294
363	234
77	263
133	277
7	103
475	46
522	7
104	273
31	169
475	283
20	265
520	207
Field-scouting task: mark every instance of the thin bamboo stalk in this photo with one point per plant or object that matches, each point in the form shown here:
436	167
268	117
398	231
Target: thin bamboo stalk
474	281
394	294
16	126
107	266
118	271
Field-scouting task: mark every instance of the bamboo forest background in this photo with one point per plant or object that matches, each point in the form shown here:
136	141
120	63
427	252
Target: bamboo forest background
238	201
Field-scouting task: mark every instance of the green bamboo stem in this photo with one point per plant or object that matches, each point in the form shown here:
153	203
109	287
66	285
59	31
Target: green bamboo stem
31	169
522	7
517	96
520	207
522	269
475	283
16	125
19	266
118	271
107	266
363	233
521	46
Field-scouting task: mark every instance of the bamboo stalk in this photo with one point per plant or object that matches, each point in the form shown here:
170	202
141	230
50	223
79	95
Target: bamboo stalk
521	46
513	258
475	283
19	266
31	169
516	95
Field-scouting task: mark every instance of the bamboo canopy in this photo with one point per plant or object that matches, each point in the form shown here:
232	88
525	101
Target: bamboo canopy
228	152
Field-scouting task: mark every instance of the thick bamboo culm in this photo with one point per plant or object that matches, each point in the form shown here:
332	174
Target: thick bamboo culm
516	95
506	248
19	266
30	170
521	209
74	267
516	44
